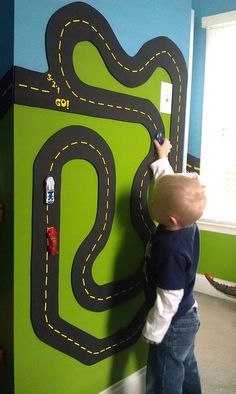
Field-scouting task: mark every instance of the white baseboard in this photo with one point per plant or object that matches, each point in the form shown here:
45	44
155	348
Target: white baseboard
134	383
203	286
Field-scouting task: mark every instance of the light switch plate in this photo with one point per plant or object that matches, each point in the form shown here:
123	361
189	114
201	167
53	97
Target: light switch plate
166	97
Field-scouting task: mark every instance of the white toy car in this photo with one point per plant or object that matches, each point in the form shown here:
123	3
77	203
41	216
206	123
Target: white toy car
49	195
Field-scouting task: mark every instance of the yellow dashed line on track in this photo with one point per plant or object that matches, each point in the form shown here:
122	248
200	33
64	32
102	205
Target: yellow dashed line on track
109	105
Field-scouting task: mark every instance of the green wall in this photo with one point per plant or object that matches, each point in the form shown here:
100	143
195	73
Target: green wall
39	368
218	255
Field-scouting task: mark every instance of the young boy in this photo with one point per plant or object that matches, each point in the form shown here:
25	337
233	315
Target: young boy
172	321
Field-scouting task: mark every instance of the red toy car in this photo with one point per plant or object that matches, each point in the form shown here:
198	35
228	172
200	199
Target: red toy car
52	241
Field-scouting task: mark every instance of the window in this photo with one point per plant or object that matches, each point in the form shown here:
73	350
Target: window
218	151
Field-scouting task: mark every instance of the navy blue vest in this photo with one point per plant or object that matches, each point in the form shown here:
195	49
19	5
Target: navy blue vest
171	264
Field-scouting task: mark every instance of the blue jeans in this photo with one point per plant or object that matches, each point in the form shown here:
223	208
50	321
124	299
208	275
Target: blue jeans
171	365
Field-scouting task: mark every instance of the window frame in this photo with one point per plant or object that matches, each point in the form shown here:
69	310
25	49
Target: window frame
205	224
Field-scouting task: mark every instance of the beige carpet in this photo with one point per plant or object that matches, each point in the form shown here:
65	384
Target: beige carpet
216	345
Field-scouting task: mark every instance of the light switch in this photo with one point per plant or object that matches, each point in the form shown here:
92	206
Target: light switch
166	97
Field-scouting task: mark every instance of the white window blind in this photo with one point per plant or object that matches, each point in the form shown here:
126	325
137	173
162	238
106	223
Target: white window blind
218	149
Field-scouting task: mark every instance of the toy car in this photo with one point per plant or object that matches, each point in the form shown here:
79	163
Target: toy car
159	137
52	241
49	195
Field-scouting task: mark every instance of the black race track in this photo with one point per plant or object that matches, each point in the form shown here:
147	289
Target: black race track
61	89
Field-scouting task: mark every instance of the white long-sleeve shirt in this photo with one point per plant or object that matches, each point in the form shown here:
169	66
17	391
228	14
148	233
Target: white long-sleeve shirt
167	301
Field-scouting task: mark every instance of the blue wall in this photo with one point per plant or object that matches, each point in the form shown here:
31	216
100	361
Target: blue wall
146	20
134	23
6	35
202	8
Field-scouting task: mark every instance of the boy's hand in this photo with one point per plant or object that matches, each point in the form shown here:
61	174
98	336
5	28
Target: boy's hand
162	149
148	341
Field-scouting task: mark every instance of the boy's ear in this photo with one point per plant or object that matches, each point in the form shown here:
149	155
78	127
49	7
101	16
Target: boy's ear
173	221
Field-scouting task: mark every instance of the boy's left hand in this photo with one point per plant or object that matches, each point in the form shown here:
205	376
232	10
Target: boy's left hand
148	341
163	149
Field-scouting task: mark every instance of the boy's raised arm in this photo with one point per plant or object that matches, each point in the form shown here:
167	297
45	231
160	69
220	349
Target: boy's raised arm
162	166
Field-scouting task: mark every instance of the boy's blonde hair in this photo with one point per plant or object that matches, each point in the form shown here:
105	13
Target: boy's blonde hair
181	195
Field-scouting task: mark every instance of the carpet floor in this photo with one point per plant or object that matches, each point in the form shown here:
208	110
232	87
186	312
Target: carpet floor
216	345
